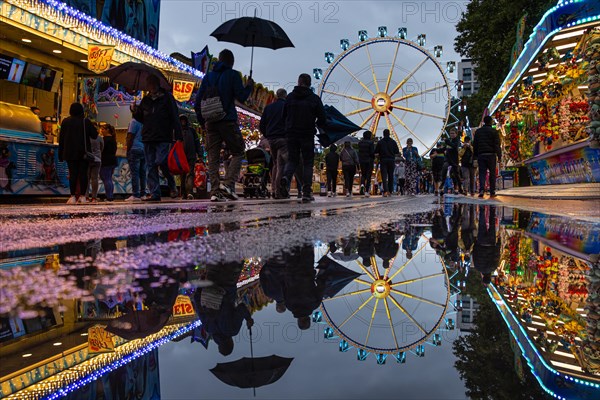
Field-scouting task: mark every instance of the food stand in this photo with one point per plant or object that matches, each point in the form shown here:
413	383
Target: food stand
547	107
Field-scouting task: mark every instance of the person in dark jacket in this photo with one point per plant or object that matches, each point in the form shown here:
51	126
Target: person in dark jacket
272	282
193	152
75	134
386	246
437	167
486	150
349	160
466	165
452	148
109	160
222	319
160	118
387	150
272	126
486	250
413	162
332	161
230	88
366	247
366	157
302	110
303	294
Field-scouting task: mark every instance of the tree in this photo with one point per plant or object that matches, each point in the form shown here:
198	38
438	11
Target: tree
486	34
485	360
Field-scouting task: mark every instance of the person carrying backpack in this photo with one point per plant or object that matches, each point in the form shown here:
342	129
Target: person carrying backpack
349	160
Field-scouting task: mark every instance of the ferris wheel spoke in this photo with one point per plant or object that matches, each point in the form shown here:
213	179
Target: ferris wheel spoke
415	297
371	322
407	282
407	262
414	321
370	117
356	79
347	96
389	77
356	311
359	110
411	73
375	124
391	128
348	294
389	316
365	270
375	268
387	270
412	110
408	129
372	69
362	282
408	96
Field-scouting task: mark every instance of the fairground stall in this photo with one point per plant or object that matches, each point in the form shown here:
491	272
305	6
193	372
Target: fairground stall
548	108
546	291
50	56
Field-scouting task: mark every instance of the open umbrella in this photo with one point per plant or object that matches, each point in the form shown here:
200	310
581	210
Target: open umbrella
252	372
336	127
335	276
252	32
138	324
133	76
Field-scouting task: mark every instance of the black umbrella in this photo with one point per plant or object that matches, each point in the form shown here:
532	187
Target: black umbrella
252	372
139	324
336	128
133	76
335	276
253	32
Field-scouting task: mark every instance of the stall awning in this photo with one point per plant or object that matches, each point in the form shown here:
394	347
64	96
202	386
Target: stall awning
561	27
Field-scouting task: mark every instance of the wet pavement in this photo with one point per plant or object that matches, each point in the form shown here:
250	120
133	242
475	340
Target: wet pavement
401	297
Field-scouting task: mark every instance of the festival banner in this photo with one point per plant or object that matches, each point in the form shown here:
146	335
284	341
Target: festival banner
182	90
99	57
183	307
200	61
100	341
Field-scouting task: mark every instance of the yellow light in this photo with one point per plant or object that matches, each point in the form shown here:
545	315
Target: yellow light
57	51
57	344
26	355
26	40
83	61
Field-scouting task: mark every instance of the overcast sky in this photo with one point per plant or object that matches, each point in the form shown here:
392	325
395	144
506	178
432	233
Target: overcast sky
314	28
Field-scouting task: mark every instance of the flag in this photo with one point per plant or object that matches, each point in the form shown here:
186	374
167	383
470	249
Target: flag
200	61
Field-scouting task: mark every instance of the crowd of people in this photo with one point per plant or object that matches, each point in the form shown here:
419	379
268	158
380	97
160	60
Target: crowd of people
288	127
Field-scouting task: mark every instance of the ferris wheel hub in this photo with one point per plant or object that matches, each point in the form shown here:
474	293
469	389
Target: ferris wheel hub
381	102
380	288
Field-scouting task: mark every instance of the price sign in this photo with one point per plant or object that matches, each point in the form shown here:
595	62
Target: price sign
183	307
100	341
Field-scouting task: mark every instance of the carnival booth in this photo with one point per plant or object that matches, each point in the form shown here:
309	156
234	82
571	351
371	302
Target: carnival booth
548	108
545	289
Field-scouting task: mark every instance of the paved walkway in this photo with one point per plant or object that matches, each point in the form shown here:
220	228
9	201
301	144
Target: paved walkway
557	192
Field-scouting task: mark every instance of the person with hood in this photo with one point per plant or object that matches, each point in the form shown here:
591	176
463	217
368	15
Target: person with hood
332	161
228	83
349	160
486	250
303	294
452	149
387	150
487	151
413	162
193	152
366	157
160	119
272	127
302	110
73	146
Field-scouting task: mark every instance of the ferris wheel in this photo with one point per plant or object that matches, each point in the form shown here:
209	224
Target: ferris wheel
390	82
391	311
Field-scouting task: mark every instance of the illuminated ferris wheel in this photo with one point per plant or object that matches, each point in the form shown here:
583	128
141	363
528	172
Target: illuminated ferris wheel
391	311
390	82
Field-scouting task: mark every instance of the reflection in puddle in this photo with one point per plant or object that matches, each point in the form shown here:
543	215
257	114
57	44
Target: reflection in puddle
399	294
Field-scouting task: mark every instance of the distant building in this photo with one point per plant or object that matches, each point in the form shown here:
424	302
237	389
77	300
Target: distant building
466	73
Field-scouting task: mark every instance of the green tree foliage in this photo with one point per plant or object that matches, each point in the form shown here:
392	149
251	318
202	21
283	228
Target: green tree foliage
486	34
485	360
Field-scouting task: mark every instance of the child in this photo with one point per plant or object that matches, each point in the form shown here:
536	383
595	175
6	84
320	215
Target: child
437	166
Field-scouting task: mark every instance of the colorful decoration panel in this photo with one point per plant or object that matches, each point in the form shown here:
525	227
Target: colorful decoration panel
576	166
